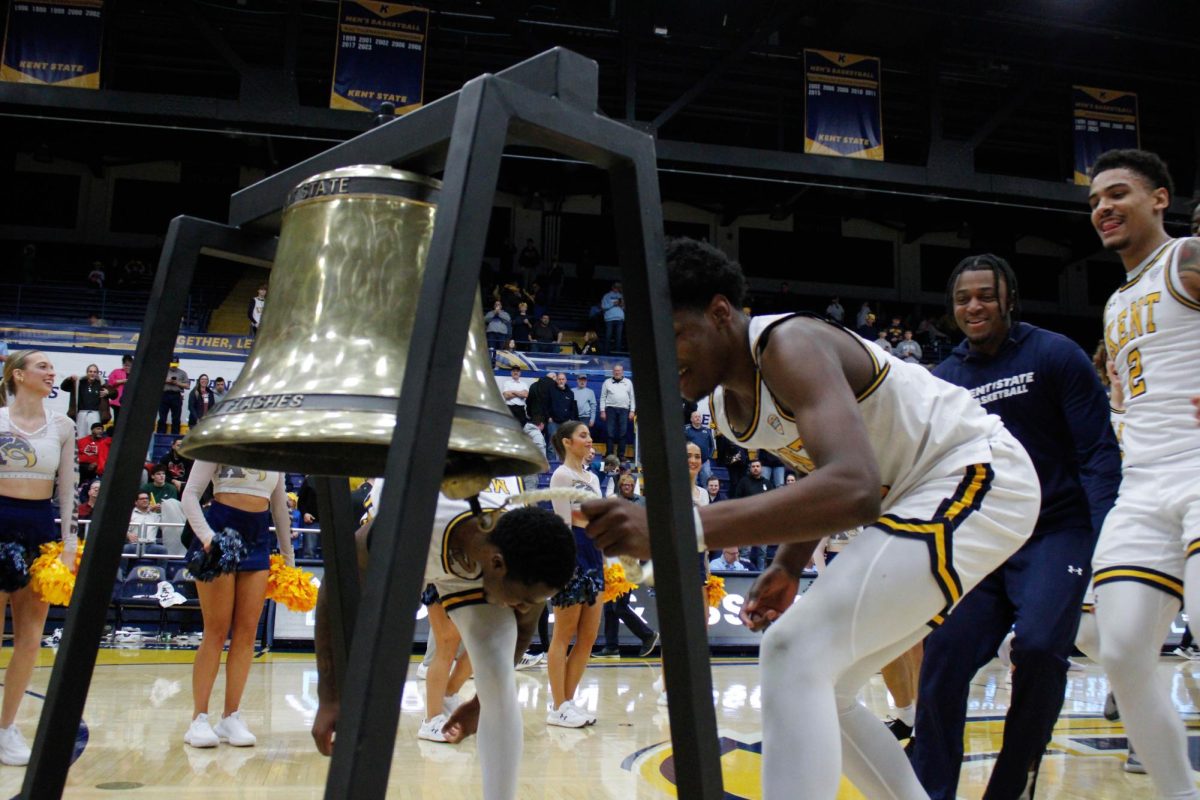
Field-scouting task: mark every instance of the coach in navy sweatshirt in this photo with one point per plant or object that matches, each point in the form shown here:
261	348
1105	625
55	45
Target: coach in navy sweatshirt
1044	388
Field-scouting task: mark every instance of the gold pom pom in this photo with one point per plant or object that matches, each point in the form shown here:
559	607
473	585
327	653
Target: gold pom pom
291	587
49	578
615	583
714	590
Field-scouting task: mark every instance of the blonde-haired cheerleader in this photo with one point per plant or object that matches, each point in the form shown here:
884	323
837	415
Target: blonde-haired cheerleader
37	447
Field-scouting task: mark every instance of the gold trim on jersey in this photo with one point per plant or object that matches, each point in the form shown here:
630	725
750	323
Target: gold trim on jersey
1186	301
1193	548
938	532
1087	608
937	622
447	567
1149	264
467	597
1151	577
758	388
883	373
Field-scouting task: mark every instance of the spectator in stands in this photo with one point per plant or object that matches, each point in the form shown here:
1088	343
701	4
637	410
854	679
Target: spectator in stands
96	321
537	403
835	311
510	296
754	482
589	346
117	380
498	324
219	389
702	436
546	335
89	503
93	452
908	349
868	329
715	495
143	524
522	326
159	488
884	343
863	312
515	392
729	562
254	310
306	503
613	307
172	398
200	400
618	408
772	468
610	474
733	457
618	610
177	465
528	260
895	332
561	408
585	400
89	400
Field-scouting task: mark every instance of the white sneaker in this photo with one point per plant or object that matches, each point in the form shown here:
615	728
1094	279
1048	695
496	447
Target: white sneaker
566	716
431	729
422	671
531	660
200	733
233	730
449	703
587	715
14	750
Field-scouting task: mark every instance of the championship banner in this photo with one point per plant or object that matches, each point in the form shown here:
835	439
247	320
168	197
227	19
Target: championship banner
380	56
55	44
1104	120
842	115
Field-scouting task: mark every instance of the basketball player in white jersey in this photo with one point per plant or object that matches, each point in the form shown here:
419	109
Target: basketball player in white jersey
1142	568
945	492
482	578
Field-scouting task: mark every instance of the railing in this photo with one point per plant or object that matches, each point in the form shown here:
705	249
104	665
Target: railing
22	302
144	538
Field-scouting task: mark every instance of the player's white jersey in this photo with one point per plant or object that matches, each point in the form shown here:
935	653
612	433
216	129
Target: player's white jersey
915	421
457	584
1152	333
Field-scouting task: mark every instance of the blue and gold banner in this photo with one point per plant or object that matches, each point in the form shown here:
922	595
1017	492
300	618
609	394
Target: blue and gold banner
380	56
56	44
1104	120
842	115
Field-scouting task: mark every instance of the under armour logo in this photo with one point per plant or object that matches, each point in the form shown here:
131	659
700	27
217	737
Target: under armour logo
1074	570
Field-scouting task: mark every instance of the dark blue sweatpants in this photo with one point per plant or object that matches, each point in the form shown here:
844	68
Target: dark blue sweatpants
1039	590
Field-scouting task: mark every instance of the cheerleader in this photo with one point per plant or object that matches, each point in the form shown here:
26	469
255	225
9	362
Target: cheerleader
232	602
37	447
576	613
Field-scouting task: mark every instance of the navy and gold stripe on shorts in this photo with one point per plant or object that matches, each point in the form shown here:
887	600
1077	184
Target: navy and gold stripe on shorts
1087	608
938	532
467	597
1151	577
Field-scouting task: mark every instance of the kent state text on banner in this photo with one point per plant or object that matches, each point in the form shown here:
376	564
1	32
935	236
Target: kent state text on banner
380	56
842	115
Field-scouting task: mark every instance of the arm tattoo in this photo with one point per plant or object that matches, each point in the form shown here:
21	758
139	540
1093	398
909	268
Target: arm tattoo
1189	266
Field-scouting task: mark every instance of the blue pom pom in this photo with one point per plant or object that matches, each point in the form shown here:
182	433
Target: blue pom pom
14	572
225	553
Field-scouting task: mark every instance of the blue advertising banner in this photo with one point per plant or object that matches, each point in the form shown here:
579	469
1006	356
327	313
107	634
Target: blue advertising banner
56	44
1104	120
380	56
842	115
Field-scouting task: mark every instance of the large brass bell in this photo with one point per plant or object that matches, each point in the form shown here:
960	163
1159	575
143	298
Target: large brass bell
318	393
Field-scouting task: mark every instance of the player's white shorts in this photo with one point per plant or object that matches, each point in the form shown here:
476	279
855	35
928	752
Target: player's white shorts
1154	527
972	520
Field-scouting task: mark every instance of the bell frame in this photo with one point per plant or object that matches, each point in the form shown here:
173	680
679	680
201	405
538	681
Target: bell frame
550	102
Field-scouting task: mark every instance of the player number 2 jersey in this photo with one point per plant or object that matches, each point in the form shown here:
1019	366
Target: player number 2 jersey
1152	333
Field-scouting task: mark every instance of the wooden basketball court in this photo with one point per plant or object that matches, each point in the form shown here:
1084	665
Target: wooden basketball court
140	705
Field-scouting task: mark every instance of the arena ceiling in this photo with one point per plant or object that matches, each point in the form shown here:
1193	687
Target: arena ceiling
976	96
